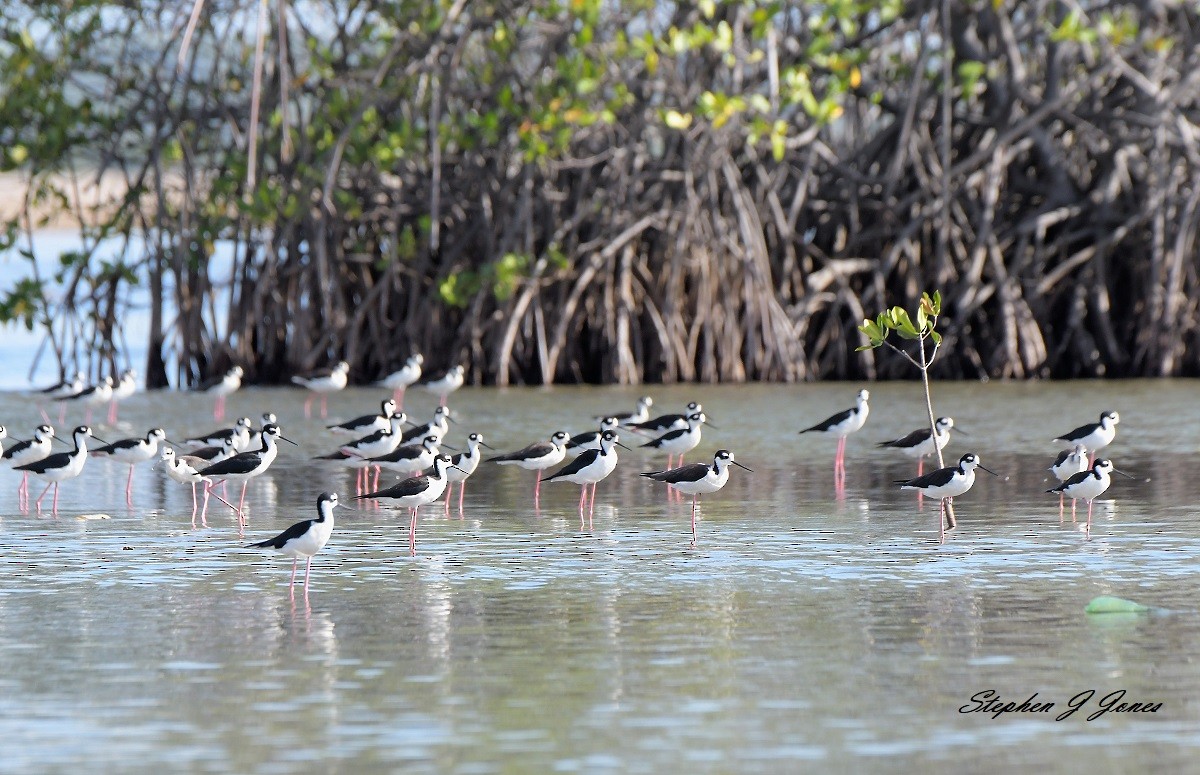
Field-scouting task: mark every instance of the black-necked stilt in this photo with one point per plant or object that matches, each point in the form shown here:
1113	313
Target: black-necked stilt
591	467
132	452
590	440
220	387
538	456
185	469
380	442
946	483
641	414
63	390
368	423
409	459
1068	463
698	479
463	465
416	492
304	539
399	380
679	442
443	386
60	466
1095	436
842	425
239	434
25	452
322	383
1088	485
921	442
95	395
244	466
666	422
439	425
124	388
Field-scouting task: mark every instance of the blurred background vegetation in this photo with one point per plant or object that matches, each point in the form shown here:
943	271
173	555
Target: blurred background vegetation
619	191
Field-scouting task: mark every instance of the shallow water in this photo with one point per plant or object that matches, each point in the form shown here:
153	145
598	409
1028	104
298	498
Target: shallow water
803	631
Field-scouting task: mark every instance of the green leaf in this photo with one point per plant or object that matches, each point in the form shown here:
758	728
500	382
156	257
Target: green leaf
937	338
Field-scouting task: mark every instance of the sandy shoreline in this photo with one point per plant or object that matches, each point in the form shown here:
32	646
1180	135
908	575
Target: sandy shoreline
87	197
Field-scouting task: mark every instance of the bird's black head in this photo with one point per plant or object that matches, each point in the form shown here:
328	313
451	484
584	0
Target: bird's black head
1110	417
243	422
560	437
269	418
43	430
327	500
693	407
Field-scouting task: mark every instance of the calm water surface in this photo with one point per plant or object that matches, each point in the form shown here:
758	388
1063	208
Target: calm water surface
804	631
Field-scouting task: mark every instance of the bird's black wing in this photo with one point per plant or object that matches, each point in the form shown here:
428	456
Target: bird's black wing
413	486
658	423
913	439
57	460
576	465
238	464
825	425
1075	479
419	430
407	452
357	422
692	472
108	449
1062	457
208	438
535	450
579	439
16	449
936	478
665	438
339	455
1078	433
292	533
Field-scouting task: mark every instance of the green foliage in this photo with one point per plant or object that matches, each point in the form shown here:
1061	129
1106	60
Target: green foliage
22	303
921	324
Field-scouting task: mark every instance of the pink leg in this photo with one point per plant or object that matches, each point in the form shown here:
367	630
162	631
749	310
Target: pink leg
307	568
582	498
55	508
293	581
412	534
129	487
112	412
1072	510
1061	504
377	470
308	405
323	409
461	492
942	522
204	510
1089	522
442	401
62	412
87	419
447	504
400	399
537	488
592	502
920	467
43	495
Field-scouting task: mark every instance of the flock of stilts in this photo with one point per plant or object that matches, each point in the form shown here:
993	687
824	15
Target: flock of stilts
240	453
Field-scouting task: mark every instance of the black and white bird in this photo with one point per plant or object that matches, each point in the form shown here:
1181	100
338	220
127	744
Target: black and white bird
244	466
538	456
921	442
25	452
696	479
1089	485
1068	463
842	425
368	423
239	434
61	391
378	442
416	492
322	383
666	422
409	459
591	467
440	424
1095	436
221	387
216	453
124	388
946	483
641	414
132	452
92	396
590	440
60	466
463	465
446	384
679	442
401	379
185	469
304	539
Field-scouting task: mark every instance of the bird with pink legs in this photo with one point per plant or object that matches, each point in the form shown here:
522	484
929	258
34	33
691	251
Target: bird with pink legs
132	452
93	396
61	466
243	467
304	539
416	492
463	465
323	383
538	456
404	377
185	469
25	452
446	384
840	426
124	388
591	468
698	479
221	388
